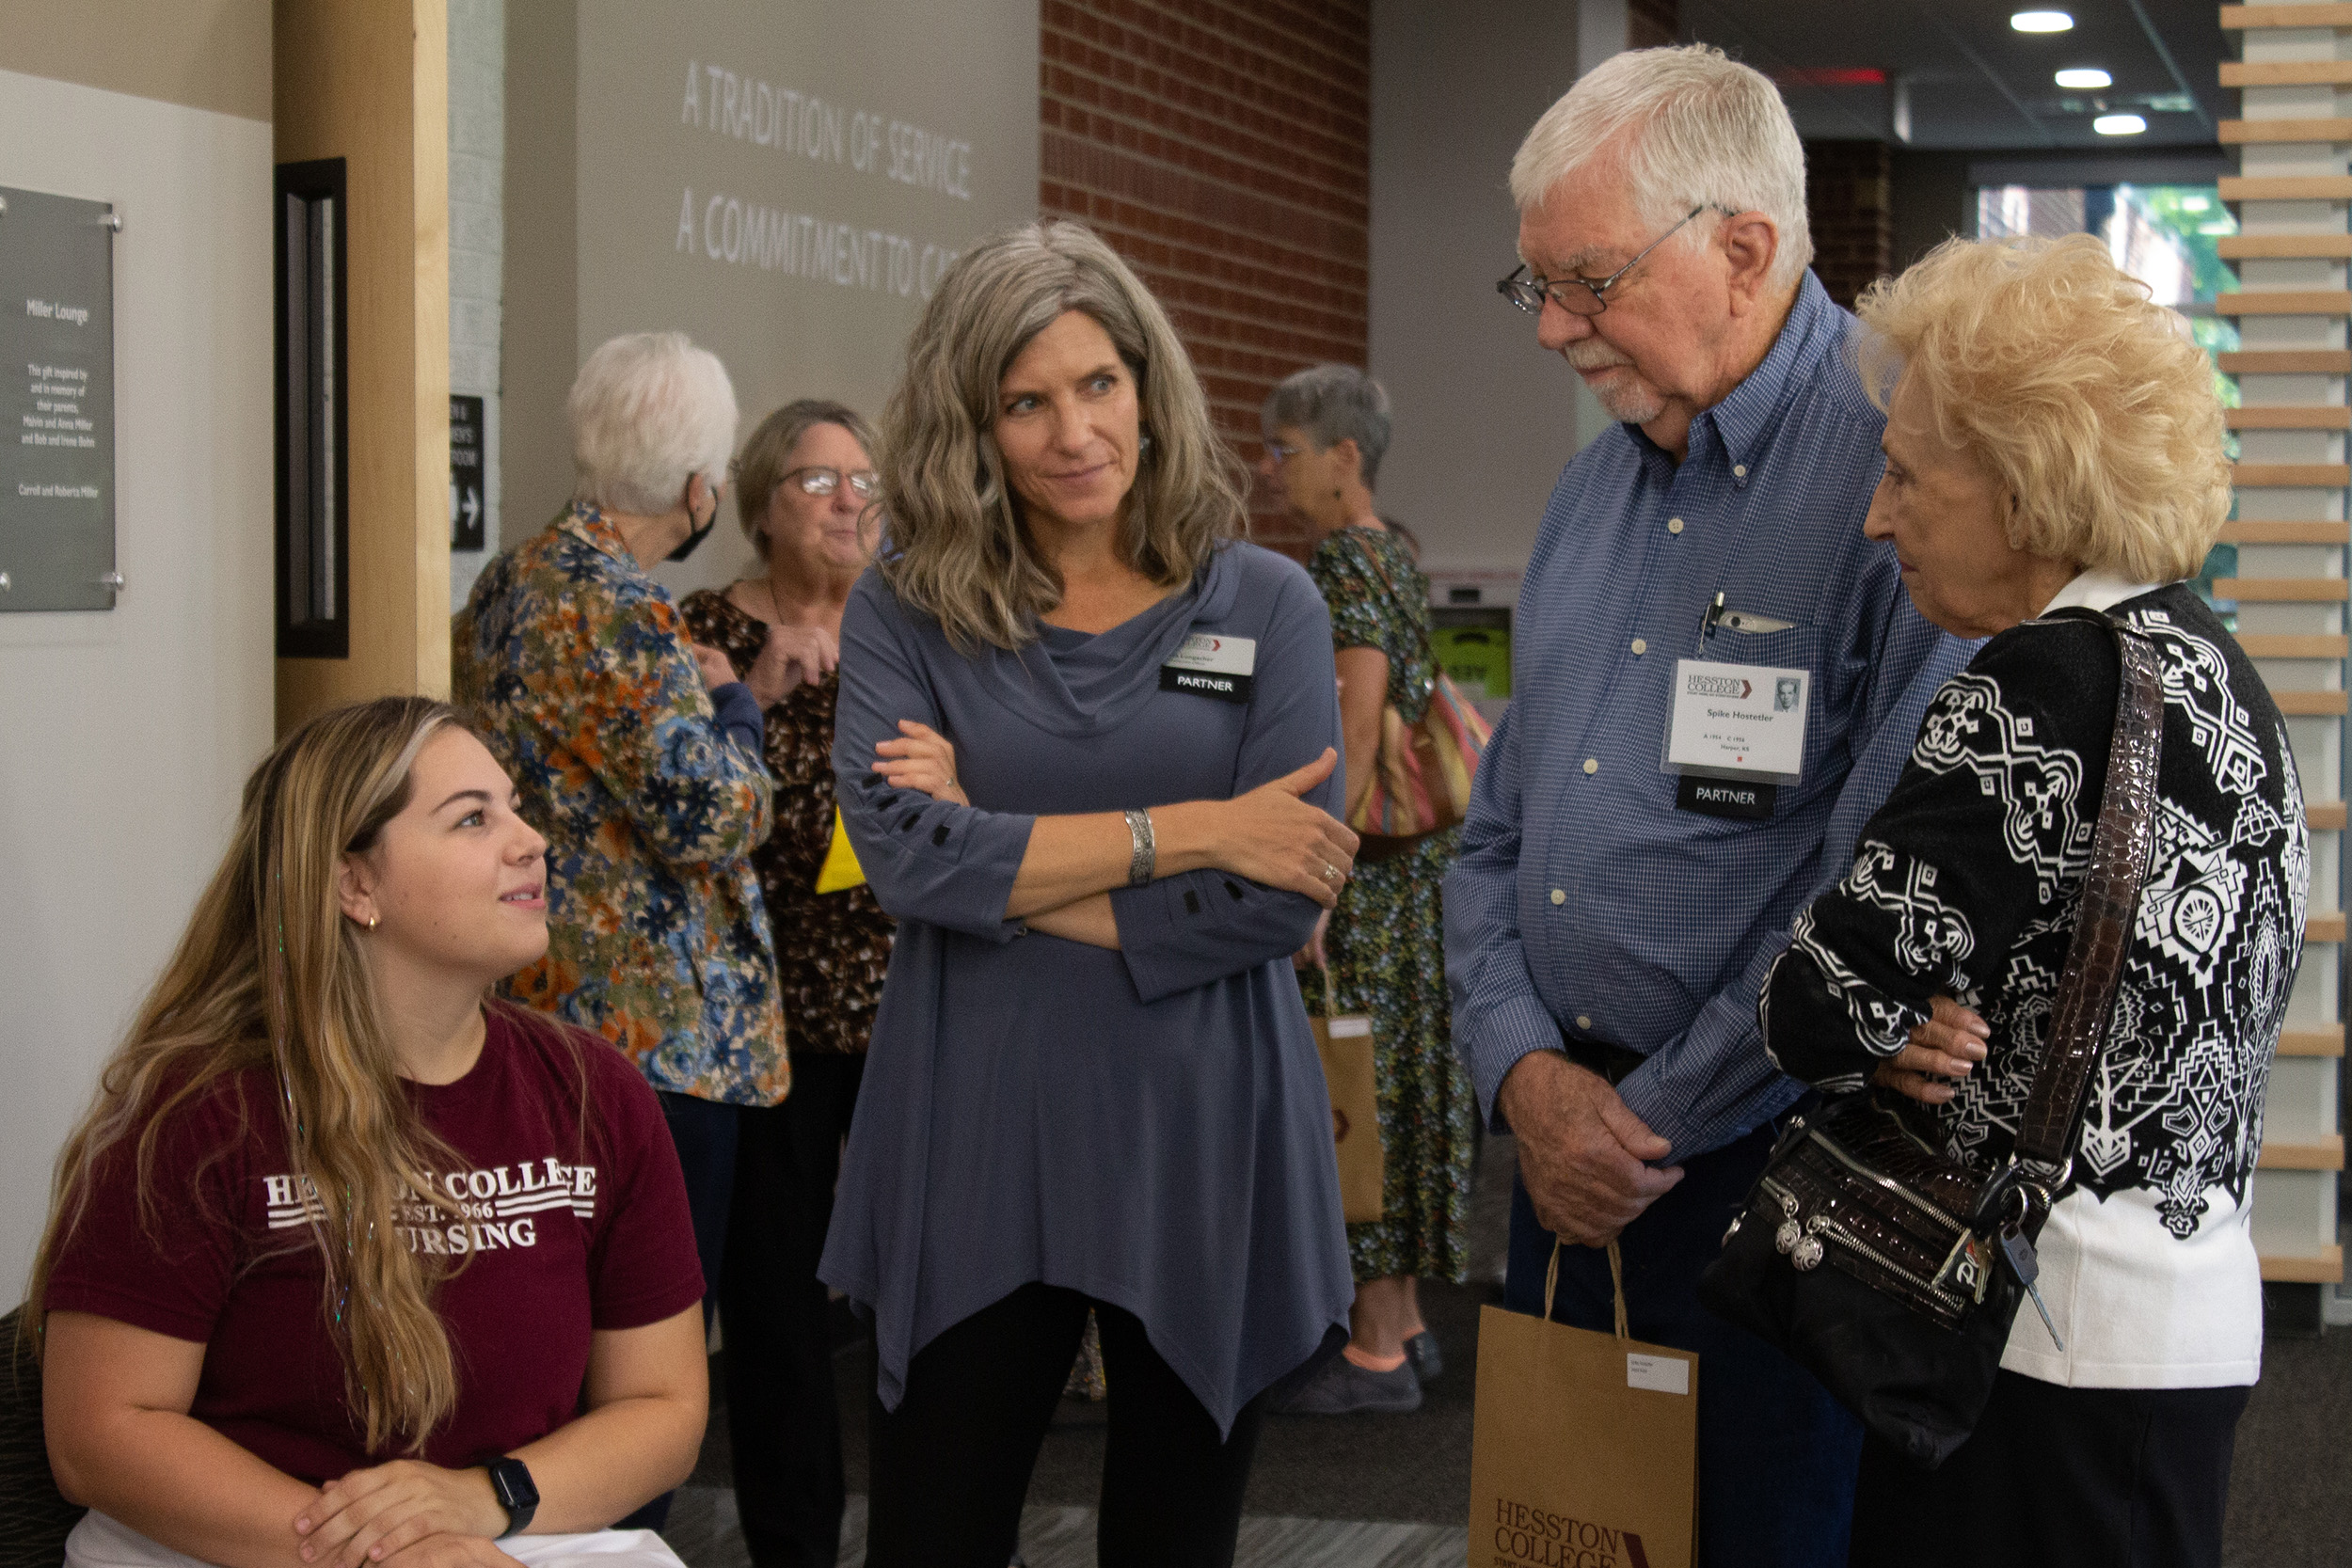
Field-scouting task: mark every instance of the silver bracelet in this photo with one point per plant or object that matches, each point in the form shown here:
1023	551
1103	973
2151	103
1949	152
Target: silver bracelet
1146	855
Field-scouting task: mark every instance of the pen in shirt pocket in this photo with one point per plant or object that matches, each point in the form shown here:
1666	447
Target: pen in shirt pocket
1745	621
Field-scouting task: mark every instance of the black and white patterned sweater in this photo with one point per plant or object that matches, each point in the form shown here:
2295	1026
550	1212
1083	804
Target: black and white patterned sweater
1965	884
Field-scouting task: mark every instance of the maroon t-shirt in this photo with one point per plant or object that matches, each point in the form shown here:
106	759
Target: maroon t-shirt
568	1228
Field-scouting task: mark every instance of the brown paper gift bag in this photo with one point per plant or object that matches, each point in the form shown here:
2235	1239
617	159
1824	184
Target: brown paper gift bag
1344	1040
1585	1450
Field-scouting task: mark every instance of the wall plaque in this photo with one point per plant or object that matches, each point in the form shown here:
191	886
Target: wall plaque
58	400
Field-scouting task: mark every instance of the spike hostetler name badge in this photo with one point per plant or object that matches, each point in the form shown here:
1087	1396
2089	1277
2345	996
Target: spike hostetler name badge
1736	735
1211	665
1739	720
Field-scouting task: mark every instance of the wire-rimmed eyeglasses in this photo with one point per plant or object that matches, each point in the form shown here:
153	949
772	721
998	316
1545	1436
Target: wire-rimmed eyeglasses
1576	296
864	482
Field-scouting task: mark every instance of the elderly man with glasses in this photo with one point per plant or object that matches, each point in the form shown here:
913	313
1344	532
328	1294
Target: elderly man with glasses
1716	681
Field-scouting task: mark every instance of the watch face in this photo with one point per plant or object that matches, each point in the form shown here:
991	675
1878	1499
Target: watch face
510	1479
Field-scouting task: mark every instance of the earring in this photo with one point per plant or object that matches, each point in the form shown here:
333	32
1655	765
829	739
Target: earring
372	920
1143	445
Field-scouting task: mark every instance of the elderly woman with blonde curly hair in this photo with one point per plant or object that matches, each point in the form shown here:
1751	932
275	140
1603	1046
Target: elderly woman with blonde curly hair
2053	463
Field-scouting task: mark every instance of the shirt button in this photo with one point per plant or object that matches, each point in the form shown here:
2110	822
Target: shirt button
1673	525
1583	1022
1640	647
1592	764
1739	470
1559	896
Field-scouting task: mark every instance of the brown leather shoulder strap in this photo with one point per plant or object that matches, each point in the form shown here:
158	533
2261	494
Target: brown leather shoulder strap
2119	850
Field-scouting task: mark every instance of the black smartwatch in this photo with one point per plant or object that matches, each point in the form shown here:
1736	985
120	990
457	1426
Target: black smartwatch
516	1493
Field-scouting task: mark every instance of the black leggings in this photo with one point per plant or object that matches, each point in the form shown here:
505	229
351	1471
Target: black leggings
951	1465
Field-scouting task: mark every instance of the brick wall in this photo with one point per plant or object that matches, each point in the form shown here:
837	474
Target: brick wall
1225	149
1847	184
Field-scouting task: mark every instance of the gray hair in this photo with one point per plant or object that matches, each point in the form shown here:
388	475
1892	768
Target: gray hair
956	549
759	467
1330	403
1703	130
649	411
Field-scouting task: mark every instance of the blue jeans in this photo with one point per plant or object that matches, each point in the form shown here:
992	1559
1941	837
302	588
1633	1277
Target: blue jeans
1777	1455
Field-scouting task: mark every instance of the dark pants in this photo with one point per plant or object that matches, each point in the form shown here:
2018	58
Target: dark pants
951	1465
784	1419
1777	1455
705	1133
2061	1478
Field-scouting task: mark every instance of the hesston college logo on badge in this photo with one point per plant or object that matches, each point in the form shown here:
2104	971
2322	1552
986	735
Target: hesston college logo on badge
1717	685
1538	1539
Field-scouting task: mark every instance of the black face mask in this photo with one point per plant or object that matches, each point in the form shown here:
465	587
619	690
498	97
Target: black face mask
693	540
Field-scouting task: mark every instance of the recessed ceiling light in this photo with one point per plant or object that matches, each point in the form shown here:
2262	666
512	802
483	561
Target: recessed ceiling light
2085	80
2118	125
2042	22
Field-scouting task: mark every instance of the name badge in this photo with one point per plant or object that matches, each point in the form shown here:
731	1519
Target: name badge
1745	720
1211	665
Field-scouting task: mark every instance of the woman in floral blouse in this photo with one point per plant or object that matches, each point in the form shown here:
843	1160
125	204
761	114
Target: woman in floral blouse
639	755
805	483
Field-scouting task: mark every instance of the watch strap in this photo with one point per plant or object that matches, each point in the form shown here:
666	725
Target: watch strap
510	1478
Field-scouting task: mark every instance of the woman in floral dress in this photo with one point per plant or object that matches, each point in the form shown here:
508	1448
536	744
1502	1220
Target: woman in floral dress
1325	430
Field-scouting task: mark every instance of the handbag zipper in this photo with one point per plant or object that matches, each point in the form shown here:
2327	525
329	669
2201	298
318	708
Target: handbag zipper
1889	1183
1830	1227
1823	1225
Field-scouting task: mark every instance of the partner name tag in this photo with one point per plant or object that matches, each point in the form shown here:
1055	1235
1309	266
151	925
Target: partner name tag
1210	665
1739	798
1739	718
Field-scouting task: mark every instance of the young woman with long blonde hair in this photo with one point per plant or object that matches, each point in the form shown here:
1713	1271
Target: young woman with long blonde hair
343	1265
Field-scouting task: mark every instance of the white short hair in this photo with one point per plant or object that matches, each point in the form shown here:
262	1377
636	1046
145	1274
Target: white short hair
1704	131
649	411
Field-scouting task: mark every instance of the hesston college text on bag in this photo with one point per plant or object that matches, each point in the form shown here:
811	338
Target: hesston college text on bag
1533	1536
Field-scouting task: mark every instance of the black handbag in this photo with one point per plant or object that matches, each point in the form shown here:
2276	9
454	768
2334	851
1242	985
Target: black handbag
1930	1258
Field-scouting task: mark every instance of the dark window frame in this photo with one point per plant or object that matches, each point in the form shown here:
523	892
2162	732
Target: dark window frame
313	596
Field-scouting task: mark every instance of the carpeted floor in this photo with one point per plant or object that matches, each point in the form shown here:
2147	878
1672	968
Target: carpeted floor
2290	1494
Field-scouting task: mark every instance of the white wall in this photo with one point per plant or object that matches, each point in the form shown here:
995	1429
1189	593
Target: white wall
125	736
477	244
1484	419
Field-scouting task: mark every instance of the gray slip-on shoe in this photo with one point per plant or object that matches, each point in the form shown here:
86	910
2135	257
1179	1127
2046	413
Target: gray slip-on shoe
1427	1361
1344	1389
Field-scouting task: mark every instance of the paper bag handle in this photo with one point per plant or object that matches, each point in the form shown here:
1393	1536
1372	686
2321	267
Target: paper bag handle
1616	1282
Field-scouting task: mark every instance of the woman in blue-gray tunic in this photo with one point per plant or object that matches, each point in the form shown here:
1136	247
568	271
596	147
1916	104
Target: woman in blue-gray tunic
1085	746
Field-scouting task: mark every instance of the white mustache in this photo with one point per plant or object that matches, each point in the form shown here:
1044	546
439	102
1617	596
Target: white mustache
1593	357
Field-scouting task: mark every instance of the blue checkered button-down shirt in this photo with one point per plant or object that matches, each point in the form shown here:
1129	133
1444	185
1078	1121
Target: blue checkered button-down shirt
1585	903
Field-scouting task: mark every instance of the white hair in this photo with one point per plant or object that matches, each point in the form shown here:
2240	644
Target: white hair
649	411
1700	130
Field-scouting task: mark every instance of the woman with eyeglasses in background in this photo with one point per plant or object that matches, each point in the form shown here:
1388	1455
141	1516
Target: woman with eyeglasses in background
803	485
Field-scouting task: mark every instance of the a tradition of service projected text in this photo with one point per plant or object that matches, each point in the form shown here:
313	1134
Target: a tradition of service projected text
727	226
